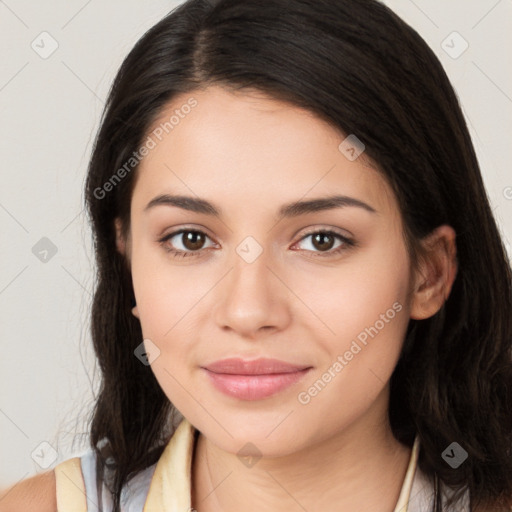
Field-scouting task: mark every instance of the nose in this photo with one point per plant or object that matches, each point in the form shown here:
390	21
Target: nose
252	298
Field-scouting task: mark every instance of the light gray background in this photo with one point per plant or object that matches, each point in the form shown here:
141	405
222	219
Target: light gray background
50	109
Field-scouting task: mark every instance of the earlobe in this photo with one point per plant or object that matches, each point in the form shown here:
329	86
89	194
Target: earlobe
135	312
436	274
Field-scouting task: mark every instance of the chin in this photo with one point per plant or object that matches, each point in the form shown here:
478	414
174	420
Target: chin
262	433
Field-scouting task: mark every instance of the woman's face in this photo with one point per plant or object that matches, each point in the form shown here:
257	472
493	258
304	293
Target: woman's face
256	283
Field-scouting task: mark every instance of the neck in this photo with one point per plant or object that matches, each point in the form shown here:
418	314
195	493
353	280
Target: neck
361	467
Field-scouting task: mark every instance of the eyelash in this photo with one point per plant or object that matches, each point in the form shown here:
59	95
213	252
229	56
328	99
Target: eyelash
176	253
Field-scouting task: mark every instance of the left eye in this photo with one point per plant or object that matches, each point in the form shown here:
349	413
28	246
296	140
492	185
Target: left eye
322	242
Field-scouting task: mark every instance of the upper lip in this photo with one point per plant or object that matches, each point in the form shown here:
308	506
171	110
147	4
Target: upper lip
262	366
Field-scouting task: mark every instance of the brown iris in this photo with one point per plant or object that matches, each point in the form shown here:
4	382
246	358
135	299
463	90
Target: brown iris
193	240
322	244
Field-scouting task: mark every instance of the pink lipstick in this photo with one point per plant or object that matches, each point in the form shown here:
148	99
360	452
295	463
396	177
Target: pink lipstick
253	380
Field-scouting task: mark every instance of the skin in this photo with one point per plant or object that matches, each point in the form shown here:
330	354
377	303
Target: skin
249	154
35	493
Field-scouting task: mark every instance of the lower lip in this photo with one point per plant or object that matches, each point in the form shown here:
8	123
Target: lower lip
254	387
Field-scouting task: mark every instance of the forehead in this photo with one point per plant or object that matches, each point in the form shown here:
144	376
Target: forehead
228	144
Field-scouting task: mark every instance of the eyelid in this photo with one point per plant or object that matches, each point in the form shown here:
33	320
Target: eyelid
316	228
185	228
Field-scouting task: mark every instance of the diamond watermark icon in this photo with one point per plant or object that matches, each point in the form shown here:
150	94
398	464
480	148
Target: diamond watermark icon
351	147
249	249
454	45
454	455
44	45
44	455
249	455
147	352
44	250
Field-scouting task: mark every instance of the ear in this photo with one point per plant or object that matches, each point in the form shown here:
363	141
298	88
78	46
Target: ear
436	273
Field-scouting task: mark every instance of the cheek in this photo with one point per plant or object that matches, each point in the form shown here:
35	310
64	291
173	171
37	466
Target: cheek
356	372
368	312
166	296
371	282
163	290
364	304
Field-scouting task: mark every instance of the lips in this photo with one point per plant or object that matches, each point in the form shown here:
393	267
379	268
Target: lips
253	380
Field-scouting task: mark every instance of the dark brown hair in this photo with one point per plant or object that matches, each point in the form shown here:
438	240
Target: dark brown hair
357	65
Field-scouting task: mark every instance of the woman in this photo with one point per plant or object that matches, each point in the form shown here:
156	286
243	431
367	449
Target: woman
303	300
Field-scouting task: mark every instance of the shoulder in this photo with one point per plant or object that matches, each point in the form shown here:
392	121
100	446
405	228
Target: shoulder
34	493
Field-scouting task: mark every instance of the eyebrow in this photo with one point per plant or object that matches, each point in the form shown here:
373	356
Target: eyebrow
293	209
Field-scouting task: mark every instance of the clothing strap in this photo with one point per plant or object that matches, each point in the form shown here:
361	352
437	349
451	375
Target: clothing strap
71	495
174	463
405	494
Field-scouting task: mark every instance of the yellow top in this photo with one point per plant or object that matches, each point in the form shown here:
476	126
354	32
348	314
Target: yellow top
170	487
